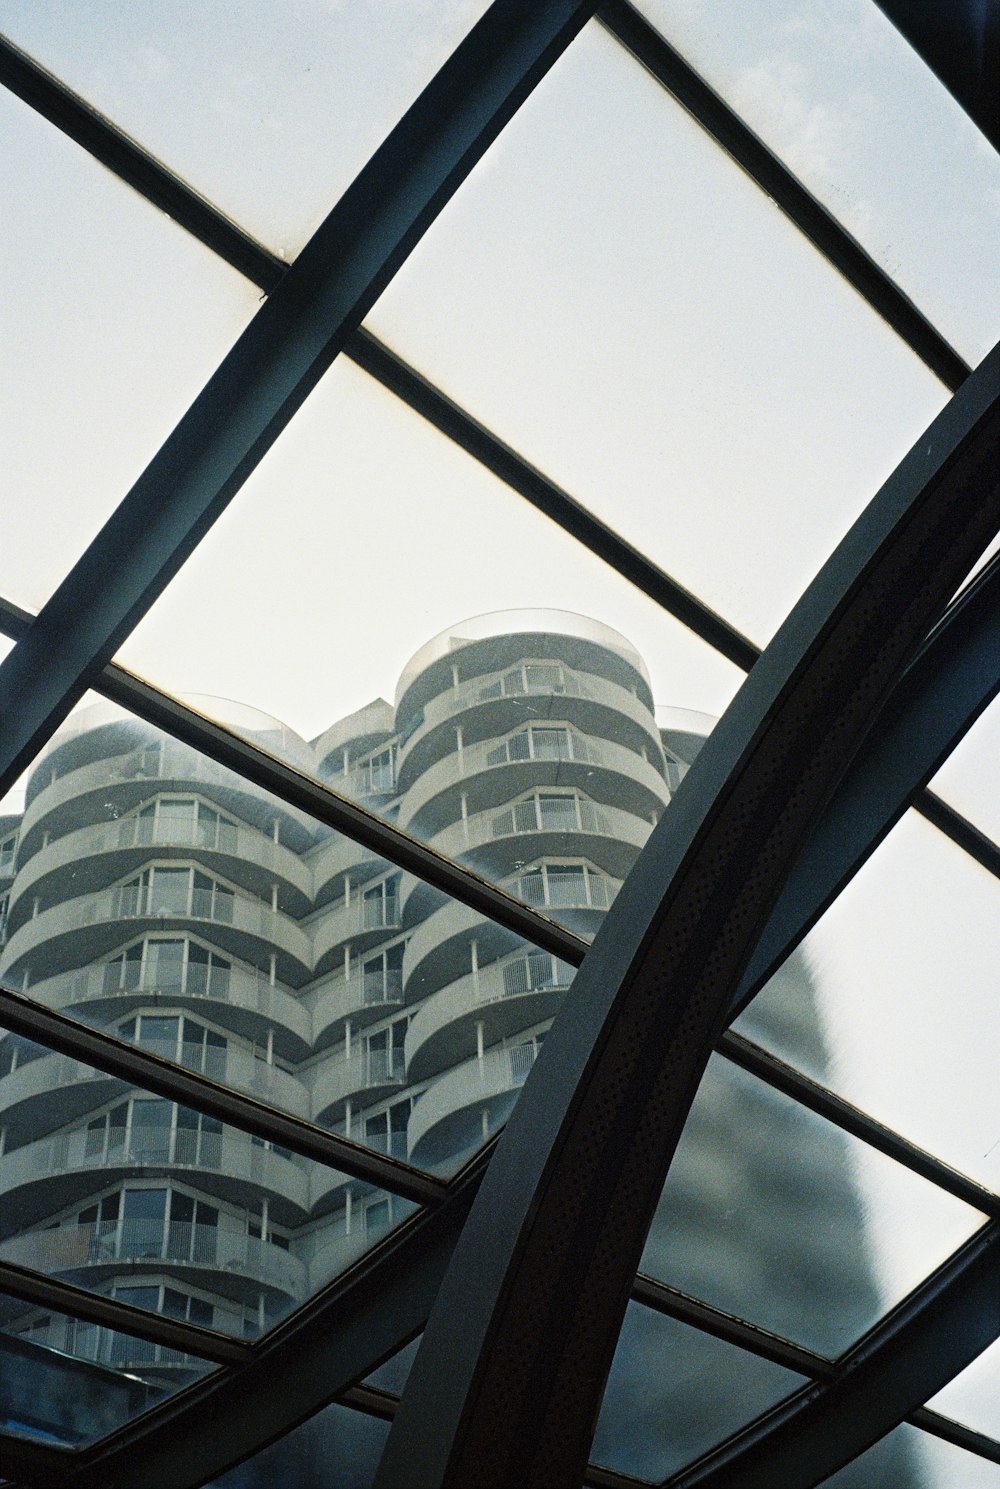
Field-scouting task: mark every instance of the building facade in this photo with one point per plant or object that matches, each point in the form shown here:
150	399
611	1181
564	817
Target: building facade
151	893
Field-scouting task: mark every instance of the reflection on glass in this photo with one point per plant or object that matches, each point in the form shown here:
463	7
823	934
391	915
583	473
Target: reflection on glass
524	739
973	1397
933	1464
235	98
969	780
101	363
612	297
674	1392
66	1381
775	1215
904	963
856	114
142	1199
336	1446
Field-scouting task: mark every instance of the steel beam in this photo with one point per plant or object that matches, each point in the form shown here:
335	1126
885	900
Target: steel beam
275	364
961	43
952	680
909	1356
129	1062
509	1376
822	229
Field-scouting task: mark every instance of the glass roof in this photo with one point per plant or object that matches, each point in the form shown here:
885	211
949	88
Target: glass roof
662	343
380	646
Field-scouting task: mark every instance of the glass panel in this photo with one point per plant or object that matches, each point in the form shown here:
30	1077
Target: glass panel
164	1207
473	734
308	972
777	1216
904	963
337	1446
969	780
910	1459
673	1392
118	320
393	1375
856	114
611	295
269	110
973	1397
66	1381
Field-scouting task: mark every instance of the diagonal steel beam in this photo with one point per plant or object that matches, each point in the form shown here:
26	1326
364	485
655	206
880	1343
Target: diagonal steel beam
507	1382
275	364
822	229
128	1062
933	1334
65	1297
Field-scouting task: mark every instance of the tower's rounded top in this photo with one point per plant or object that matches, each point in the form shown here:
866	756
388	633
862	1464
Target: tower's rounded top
517	622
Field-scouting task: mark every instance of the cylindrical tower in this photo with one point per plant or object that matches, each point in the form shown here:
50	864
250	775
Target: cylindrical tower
159	897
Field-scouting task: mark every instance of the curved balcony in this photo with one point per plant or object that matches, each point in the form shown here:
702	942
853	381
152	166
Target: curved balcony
59	1171
123	782
497	701
499	840
67	1087
196	1253
360	732
91	926
440	948
495	771
242	1001
337	859
363	998
92	856
62	1087
362	924
504	998
366	1074
439	1126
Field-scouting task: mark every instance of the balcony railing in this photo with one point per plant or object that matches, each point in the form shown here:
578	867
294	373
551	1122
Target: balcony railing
106	1242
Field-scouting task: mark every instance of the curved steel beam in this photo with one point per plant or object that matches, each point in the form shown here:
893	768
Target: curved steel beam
933	1334
275	364
297	1368
938	699
509	1377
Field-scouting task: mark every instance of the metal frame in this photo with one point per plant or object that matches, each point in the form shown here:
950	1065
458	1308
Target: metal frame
276	363
510	1372
224	237
822	229
907	1357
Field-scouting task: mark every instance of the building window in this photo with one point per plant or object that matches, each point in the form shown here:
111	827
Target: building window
166	891
168	965
179	819
180	1038
8	848
383	976
566	886
386	1062
380	904
386	1131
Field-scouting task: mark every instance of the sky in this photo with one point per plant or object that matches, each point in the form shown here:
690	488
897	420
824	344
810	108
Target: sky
610	295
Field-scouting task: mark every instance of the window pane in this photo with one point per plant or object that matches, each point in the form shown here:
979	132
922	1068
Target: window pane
773	1214
236	98
118	320
973	1398
856	114
904	964
969	780
65	1381
911	1459
610	295
337	1446
460	727
673	1392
